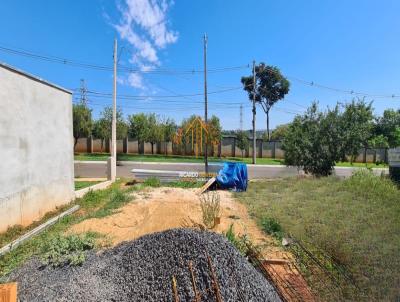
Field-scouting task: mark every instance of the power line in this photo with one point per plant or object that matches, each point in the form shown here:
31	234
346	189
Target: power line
76	63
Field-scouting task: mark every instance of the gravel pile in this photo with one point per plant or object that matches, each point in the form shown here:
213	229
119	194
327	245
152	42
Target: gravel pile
142	270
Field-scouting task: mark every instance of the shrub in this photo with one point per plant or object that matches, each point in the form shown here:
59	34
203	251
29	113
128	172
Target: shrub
210	207
311	141
67	250
152	182
272	227
241	242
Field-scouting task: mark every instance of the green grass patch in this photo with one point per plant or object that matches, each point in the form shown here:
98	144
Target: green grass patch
193	159
60	250
84	184
94	204
355	221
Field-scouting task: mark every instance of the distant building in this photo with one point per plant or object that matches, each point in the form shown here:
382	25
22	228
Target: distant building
36	147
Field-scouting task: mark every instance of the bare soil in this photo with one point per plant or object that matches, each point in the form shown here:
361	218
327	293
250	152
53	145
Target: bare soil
158	209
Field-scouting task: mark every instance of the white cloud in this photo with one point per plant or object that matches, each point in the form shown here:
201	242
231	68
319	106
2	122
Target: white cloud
135	80
144	25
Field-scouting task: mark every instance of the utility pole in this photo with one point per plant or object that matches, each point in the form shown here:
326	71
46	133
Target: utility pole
112	169
254	112
83	91
241	117
205	104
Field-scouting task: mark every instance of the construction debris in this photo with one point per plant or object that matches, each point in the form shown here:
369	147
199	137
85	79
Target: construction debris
152	268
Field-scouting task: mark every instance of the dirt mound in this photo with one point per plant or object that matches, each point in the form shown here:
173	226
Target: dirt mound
142	270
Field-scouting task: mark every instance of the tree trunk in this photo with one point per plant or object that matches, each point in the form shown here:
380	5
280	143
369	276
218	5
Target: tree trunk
166	148
75	142
268	125
101	145
152	148
138	147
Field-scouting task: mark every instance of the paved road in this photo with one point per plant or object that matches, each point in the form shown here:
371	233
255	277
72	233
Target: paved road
98	169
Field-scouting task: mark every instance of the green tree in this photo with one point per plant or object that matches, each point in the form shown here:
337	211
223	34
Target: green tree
389	126
279	132
82	121
102	126
214	129
138	127
356	126
311	141
101	131
155	131
379	141
242	141
168	130
271	86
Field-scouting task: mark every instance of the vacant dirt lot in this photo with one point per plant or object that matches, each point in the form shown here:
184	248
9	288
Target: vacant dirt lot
159	209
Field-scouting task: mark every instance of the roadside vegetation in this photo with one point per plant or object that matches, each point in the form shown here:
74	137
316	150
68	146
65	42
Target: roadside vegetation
84	184
355	221
55	246
193	159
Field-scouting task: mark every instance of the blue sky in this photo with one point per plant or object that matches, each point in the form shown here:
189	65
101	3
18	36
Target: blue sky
351	45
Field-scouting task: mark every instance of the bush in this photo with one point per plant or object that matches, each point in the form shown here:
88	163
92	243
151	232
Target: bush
210	207
67	250
272	227
152	182
311	141
241	242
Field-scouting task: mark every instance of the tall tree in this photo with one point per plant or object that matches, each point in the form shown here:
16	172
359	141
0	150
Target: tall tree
138	127
214	129
82	121
102	126
242	141
101	130
356	127
271	86
168	131
389	126
155	131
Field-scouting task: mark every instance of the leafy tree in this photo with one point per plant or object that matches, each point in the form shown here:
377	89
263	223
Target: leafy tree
271	86
101	130
102	127
168	130
82	121
242	141
214	129
379	141
138	127
155	131
356	126
279	132
311	141
389	126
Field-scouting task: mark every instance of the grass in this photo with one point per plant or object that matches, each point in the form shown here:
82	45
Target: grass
94	204
84	184
192	159
356	221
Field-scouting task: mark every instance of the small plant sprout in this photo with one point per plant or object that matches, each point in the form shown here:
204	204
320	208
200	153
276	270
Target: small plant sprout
210	208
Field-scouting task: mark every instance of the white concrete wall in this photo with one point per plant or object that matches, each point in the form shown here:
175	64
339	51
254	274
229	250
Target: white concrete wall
36	148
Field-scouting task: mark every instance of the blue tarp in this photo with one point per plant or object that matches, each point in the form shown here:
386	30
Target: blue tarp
233	176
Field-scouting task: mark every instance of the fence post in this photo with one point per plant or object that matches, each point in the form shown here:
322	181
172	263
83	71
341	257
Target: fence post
365	155
107	145
273	150
89	144
125	143
234	147
261	148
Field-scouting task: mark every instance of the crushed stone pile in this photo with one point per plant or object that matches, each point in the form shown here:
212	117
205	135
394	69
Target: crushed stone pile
142	270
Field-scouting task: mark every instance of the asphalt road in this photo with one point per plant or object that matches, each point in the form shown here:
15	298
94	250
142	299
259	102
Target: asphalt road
98	169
